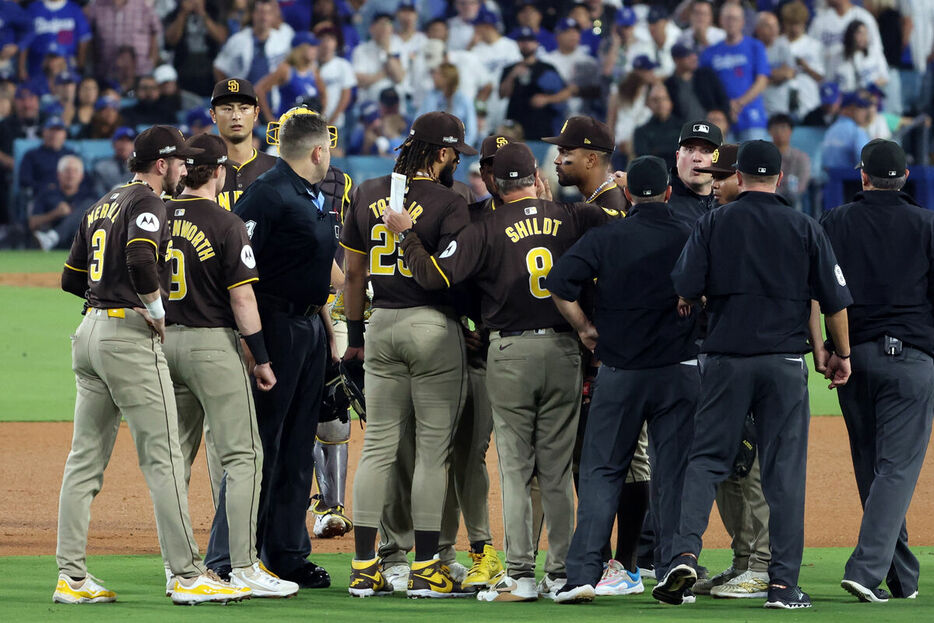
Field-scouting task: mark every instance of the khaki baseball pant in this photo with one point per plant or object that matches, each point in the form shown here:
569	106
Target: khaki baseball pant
534	384
745	515
414	373
212	386
120	369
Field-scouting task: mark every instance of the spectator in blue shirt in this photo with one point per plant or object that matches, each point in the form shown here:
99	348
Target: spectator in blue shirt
446	97
37	170
743	67
15	32
530	16
64	24
56	214
846	137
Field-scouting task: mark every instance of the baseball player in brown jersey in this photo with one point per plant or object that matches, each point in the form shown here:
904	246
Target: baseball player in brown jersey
584	149
414	359
115	264
533	365
211	293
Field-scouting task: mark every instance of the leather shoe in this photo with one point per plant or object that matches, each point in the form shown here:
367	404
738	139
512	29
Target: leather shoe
309	575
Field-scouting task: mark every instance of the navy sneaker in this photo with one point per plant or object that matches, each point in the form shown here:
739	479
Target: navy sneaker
863	593
681	576
787	597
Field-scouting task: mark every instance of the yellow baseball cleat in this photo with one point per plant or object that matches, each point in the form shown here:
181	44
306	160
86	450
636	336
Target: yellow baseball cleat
487	569
87	591
432	578
366	579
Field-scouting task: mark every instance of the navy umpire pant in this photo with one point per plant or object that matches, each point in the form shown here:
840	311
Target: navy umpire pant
287	418
887	405
623	400
774	388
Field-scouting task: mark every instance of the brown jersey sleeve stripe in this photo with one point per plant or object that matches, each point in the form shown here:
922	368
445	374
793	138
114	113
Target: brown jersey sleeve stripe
245	281
80	270
144	240
352	249
435	262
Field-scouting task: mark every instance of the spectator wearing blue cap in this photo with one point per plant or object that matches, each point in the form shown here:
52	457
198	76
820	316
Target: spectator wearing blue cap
55	214
64	23
54	63
64	92
590	32
198	121
877	122
15	32
575	65
845	137
106	118
743	68
255	50
496	52
37	169
22	123
119	23
701	32
808	57
195	32
621	47
529	15
535	91
826	113
114	170
694	90
296	79
461	26
663	35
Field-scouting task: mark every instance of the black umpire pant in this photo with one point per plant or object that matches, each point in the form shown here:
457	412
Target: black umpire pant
287	418
623	400
774	387
887	405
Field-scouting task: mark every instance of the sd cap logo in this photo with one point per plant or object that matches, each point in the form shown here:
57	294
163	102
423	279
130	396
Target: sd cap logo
715	156
500	141
233	86
701	127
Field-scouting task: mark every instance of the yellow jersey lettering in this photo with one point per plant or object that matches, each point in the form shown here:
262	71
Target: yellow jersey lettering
557	224
513	236
206	254
198	238
533	226
379	206
415	210
113	212
547	226
521	230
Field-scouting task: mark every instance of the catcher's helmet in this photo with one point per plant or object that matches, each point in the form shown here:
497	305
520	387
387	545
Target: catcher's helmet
352	378
272	128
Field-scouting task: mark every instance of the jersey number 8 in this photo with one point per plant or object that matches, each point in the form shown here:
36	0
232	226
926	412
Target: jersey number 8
538	261
385	245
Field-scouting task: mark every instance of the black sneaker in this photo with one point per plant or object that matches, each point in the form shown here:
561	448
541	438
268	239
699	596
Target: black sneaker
787	597
863	593
681	576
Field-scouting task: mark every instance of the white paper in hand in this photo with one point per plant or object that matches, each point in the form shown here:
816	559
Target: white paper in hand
397	192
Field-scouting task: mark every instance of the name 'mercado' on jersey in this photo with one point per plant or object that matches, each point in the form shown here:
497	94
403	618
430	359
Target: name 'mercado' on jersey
508	254
209	254
437	212
240	176
129	214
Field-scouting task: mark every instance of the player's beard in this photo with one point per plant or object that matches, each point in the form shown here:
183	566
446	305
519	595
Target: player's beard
566	178
446	176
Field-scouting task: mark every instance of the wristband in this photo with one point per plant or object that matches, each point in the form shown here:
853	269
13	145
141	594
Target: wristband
156	309
403	234
355	329
839	356
257	346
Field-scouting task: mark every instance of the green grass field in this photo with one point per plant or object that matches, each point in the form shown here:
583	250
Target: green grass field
138	582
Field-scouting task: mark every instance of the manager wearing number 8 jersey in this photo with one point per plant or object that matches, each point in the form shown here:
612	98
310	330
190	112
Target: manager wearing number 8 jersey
534	363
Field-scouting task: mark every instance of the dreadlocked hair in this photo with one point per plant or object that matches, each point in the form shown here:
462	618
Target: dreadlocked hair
415	156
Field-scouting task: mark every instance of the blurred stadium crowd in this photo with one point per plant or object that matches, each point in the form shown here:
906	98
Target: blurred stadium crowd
81	78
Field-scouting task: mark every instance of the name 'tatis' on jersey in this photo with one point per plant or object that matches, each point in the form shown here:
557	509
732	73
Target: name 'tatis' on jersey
437	212
128	214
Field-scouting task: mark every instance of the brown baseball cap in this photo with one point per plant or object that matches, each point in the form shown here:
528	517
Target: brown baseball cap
722	161
513	161
585	132
162	141
213	150
441	128
234	89
491	145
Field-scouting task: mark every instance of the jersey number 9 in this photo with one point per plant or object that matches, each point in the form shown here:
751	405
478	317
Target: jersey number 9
178	288
539	262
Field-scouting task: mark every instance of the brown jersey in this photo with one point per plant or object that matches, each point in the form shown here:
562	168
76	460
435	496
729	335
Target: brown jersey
128	214
209	254
438	213
239	176
613	201
508	255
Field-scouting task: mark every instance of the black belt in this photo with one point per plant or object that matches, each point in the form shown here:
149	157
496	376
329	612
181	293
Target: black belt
268	302
559	329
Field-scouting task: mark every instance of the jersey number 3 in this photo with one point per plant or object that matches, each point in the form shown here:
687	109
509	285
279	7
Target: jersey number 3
539	262
385	246
98	242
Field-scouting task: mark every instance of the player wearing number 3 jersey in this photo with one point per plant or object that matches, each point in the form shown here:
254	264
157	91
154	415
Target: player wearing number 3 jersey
534	364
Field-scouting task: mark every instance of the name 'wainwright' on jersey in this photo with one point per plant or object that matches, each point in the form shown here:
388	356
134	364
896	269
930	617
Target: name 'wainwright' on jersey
437	212
131	213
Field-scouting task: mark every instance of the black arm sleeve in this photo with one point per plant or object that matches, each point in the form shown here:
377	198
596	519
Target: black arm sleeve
141	264
74	282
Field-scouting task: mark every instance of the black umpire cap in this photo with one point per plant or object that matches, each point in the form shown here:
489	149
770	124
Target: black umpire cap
882	158
213	150
701	130
234	89
722	162
513	161
585	132
759	158
647	176
441	128
161	141
491	145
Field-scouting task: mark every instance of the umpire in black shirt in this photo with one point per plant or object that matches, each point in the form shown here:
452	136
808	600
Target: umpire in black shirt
885	244
759	263
294	238
649	370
